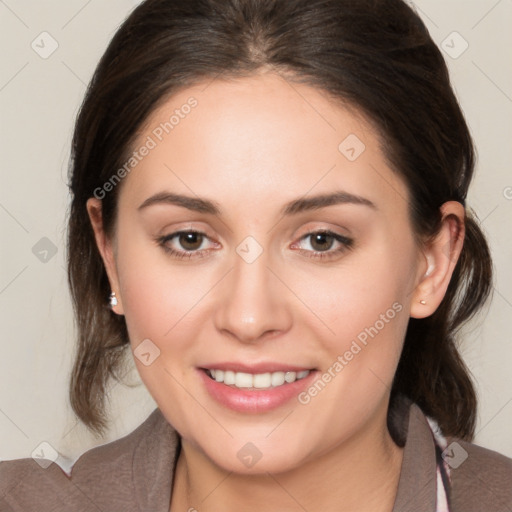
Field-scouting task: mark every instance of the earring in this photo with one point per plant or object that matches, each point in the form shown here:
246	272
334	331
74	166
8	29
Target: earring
112	300
423	302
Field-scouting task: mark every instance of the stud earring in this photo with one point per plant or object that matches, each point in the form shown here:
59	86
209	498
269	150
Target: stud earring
112	300
423	302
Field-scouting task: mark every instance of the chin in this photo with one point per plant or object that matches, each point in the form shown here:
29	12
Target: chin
250	461
252	454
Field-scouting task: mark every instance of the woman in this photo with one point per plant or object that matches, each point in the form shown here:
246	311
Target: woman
271	197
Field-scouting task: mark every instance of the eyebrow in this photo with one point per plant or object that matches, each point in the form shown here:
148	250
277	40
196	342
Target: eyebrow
292	208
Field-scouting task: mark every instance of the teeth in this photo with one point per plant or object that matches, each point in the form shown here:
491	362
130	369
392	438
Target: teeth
229	377
277	379
243	380
259	380
290	377
262	380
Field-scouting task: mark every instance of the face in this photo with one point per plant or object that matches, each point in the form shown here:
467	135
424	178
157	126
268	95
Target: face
225	257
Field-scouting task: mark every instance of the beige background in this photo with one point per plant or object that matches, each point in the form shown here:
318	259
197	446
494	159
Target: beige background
39	98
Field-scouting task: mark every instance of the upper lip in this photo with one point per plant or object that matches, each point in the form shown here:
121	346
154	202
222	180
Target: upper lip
269	367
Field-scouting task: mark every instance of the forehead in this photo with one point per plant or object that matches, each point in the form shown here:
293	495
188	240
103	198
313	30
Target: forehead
259	138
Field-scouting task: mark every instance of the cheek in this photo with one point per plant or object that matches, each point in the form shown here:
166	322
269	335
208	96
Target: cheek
156	294
367	290
367	319
159	303
365	304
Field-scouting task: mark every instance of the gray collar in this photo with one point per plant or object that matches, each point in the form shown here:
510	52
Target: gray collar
417	487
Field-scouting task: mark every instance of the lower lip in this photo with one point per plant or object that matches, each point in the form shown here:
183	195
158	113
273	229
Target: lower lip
258	400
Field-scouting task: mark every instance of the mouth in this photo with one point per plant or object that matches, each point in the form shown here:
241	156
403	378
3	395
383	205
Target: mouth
255	389
250	381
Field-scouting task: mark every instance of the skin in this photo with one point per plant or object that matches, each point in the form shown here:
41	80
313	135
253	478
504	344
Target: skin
252	145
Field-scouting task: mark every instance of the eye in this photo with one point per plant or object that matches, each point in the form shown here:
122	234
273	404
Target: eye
187	244
184	244
322	241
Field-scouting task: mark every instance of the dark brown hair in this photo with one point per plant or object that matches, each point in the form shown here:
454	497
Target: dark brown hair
375	55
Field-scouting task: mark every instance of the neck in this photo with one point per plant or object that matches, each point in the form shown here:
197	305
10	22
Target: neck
358	475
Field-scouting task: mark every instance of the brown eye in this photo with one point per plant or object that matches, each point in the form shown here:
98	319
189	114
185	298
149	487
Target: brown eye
324	245
190	240
185	244
321	241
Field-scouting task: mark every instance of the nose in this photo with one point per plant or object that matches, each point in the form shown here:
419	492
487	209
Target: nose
252	302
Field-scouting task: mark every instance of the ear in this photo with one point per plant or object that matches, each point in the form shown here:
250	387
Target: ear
441	256
106	249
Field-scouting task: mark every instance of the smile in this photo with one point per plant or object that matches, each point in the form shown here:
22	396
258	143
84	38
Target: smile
242	380
254	389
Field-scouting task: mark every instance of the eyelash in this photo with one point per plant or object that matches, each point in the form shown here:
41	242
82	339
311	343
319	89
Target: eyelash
346	244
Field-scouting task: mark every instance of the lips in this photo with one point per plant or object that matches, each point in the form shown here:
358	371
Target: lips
257	388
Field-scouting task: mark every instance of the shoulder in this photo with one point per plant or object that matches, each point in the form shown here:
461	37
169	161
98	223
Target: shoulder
481	479
476	479
101	479
25	485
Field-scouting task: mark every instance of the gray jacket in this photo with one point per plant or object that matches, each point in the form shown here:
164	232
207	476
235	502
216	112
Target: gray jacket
135	473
